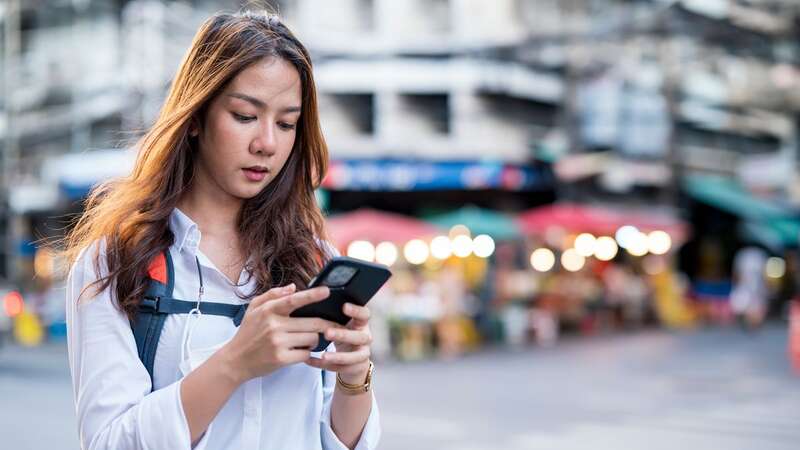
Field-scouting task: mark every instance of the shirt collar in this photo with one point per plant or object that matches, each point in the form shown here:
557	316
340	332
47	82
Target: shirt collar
187	233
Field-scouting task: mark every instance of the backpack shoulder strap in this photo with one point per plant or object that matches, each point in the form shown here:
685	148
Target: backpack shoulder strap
149	322
157	304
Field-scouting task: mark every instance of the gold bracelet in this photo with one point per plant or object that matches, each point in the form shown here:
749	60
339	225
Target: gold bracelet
356	389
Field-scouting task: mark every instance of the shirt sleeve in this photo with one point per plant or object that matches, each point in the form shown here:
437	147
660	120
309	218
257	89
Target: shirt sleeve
371	433
328	248
114	406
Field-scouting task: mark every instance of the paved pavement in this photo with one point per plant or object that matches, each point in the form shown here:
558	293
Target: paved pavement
709	389
657	390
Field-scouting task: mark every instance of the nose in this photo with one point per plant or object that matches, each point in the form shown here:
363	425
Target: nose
266	142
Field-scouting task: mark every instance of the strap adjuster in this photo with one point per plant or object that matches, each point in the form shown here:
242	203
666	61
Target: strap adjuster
150	304
237	319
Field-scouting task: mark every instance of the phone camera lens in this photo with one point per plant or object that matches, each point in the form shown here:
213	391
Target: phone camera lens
340	276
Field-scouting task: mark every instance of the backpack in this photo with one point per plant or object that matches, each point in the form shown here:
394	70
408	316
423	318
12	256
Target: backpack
158	303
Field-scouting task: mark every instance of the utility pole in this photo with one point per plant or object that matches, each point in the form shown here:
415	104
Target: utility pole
11	57
670	62
80	132
670	91
572	76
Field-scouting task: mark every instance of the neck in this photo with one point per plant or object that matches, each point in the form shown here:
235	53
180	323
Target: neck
214	212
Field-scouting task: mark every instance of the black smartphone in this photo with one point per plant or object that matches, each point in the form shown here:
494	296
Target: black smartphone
350	281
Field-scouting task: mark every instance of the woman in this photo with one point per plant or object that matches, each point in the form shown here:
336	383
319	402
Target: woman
224	182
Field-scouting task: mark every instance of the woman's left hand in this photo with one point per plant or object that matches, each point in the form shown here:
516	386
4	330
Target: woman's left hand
351	358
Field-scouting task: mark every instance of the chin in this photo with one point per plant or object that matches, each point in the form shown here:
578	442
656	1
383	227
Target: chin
249	192
241	192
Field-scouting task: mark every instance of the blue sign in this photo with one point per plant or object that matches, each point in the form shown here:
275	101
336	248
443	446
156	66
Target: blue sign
404	175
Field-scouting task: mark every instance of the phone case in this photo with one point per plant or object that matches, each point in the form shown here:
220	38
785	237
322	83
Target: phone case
359	289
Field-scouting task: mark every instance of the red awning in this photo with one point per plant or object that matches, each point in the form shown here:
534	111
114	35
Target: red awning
376	226
578	218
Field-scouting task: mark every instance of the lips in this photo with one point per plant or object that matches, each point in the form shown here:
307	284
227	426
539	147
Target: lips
255	173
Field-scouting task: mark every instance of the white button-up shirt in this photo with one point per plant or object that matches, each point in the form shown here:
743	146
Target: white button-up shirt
116	410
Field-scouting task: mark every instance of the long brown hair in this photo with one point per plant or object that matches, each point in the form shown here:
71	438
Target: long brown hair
282	225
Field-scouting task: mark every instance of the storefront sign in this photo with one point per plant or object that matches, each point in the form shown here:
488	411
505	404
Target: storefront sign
391	175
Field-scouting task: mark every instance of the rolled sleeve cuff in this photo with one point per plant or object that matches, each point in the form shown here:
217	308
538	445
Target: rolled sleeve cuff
162	408
370	435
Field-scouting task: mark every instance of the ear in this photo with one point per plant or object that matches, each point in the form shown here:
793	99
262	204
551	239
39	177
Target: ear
194	128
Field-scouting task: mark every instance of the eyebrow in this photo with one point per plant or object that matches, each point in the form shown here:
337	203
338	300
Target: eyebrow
260	104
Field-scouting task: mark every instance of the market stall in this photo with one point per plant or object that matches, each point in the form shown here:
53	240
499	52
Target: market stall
598	268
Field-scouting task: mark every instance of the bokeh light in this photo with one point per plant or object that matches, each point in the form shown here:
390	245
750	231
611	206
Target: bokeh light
13	304
659	242
625	234
637	244
363	250
483	245
572	260
543	259
386	253
441	247
605	248
776	267
462	246
43	263
416	251
458	230
585	244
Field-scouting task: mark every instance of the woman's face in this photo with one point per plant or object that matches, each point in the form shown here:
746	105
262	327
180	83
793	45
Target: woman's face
249	130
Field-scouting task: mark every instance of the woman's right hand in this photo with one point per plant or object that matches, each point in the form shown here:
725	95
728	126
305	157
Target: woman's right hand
269	339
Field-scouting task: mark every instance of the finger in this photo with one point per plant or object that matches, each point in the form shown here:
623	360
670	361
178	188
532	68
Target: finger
301	340
294	356
307	324
359	314
345	336
288	304
325	365
315	362
272	294
347	358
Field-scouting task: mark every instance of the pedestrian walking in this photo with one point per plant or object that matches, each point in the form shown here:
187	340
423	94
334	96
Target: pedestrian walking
183	274
749	292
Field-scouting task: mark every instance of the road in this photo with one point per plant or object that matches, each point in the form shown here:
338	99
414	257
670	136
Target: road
708	389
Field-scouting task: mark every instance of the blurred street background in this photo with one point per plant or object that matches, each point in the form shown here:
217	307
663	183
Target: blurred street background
591	207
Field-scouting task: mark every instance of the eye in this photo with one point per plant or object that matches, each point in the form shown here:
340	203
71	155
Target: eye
242	118
286	126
